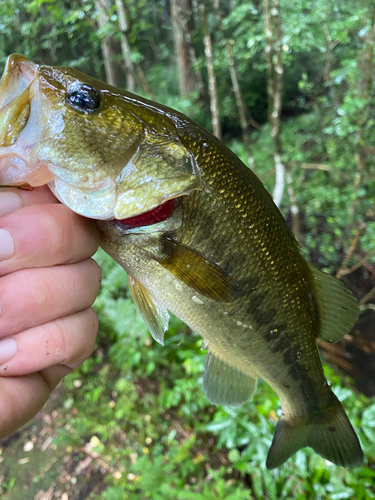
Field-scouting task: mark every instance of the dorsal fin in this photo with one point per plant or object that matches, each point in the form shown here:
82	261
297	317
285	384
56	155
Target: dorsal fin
338	309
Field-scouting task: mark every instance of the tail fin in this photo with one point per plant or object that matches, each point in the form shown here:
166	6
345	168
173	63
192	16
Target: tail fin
332	438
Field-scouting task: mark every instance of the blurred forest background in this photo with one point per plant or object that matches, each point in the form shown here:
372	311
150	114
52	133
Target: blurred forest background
288	85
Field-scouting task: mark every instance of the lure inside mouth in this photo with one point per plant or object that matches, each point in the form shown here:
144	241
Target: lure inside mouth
157	214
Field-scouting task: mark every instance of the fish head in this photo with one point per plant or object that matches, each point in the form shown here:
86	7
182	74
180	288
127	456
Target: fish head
105	153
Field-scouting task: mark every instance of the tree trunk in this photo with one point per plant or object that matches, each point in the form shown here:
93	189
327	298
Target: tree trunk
103	6
194	61
180	14
274	88
145	86
125	47
275	71
365	65
244	115
214	103
293	206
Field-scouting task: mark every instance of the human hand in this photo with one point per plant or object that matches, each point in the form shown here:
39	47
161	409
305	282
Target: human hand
47	285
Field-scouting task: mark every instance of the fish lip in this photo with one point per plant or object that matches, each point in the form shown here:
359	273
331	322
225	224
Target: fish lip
15	102
16	66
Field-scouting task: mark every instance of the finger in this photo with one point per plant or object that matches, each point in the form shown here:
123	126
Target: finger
45	236
53	375
14	199
32	297
67	341
22	397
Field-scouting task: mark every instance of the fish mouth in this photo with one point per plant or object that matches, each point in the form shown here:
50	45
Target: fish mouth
17	90
15	96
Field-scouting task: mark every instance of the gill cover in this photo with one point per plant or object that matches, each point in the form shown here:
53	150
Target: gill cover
156	171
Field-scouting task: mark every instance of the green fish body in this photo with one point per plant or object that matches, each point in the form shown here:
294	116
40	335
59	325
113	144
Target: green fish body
198	235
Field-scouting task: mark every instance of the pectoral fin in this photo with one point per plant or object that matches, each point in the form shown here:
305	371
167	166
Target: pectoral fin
338	309
154	315
224	384
198	272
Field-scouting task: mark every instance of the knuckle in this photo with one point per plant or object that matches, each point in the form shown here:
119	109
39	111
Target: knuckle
89	228
95	274
55	230
74	236
38	288
93	325
84	278
63	232
85	330
57	340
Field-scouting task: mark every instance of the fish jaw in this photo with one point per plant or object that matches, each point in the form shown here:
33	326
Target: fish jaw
135	184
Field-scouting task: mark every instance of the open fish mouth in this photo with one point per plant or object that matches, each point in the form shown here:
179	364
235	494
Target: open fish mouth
15	86
20	110
16	92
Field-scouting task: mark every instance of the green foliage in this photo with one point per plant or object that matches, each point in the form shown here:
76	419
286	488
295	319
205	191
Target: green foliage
50	32
331	205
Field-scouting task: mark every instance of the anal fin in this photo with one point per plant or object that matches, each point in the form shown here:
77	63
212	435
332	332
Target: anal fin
224	384
338	309
154	315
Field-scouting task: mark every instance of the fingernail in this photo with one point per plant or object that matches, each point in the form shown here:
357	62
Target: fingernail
9	202
6	245
8	348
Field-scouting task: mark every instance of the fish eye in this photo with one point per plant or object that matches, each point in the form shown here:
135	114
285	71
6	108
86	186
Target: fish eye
82	97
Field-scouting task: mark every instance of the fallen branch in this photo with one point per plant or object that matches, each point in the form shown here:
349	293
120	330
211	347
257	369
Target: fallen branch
316	166
343	268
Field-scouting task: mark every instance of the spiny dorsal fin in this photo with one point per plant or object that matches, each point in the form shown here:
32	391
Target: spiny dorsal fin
224	384
338	309
154	315
198	272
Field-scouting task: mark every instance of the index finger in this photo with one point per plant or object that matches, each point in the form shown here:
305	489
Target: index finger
14	199
43	236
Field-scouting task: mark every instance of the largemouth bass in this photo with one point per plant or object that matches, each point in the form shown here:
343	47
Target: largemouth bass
198	235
